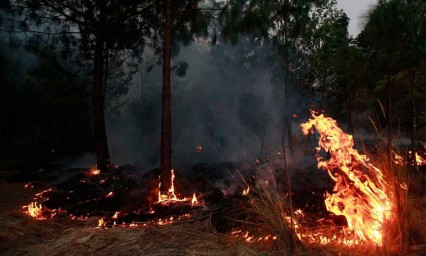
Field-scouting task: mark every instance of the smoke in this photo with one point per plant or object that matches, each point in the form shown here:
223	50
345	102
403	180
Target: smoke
226	108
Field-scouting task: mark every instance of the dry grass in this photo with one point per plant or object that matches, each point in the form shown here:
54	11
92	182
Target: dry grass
404	234
22	235
270	215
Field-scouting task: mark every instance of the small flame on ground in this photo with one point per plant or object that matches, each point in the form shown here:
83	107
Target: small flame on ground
116	214
419	160
39	195
94	171
101	223
171	195
251	238
246	191
194	200
399	160
35	210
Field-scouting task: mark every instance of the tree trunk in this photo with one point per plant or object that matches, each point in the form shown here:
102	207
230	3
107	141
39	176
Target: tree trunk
286	89
166	120
101	144
350	123
414	126
106	61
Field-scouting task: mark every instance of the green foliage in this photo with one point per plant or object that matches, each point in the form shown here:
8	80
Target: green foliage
392	42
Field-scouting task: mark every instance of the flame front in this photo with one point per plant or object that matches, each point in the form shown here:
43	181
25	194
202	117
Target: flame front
360	193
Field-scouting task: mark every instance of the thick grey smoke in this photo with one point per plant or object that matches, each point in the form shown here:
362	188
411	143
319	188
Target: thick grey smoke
224	109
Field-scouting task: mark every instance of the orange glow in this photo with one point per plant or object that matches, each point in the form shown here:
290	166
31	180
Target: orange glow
116	214
34	210
246	191
28	185
397	159
101	223
39	195
171	196
251	238
419	160
194	200
360	192
94	171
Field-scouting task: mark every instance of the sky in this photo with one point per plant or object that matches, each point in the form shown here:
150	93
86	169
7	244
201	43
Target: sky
355	9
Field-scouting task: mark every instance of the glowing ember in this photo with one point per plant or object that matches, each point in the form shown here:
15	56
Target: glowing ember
251	238
360	193
397	159
94	171
41	194
28	185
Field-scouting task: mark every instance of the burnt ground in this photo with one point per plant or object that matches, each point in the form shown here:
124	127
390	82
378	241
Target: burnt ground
23	235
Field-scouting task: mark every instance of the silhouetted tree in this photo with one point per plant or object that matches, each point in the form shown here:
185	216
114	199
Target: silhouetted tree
93	27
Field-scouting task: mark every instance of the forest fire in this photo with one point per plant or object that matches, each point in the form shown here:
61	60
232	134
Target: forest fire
360	193
104	201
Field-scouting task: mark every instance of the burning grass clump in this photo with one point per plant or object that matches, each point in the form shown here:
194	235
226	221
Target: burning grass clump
370	191
405	232
268	225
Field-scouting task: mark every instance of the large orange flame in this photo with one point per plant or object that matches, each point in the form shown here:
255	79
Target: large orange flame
360	193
